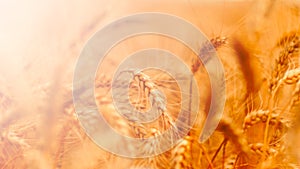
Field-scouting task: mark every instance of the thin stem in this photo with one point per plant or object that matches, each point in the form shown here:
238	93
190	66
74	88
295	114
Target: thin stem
271	104
224	153
207	158
218	150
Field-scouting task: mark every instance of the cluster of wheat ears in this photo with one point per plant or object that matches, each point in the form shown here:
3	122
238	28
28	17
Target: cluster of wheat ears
259	128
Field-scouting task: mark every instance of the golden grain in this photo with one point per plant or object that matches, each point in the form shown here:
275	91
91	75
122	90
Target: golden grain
257	117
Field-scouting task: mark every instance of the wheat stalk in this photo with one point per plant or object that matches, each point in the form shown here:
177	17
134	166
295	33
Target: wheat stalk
281	67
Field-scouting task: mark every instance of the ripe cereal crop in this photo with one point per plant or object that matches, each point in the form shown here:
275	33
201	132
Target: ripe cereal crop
258	43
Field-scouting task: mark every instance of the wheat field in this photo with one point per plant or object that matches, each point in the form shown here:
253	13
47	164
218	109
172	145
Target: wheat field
257	42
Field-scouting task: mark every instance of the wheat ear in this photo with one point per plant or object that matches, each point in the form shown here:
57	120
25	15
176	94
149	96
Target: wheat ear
182	154
233	134
206	49
282	61
291	76
257	116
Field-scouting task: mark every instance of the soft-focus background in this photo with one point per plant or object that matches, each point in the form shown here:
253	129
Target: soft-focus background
39	44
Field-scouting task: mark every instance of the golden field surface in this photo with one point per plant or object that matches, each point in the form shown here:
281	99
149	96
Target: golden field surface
257	42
